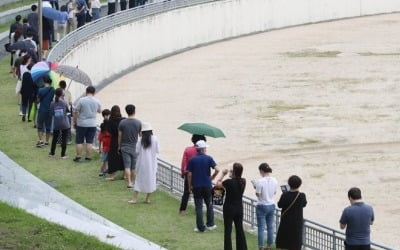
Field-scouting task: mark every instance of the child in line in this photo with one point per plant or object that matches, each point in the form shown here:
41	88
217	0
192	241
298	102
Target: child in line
104	142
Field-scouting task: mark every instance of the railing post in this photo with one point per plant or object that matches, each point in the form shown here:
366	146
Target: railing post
334	241
172	178
252	214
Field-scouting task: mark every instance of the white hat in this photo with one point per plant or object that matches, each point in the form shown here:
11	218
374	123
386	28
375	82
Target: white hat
146	126
201	144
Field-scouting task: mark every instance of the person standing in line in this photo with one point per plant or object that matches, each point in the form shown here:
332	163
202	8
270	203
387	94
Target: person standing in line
292	202
104	142
33	19
233	206
111	5
266	188
28	93
95	7
122	4
114	162
71	16
81	9
85	123
199	180
147	149
67	97
357	219
128	133
45	97
59	110
188	153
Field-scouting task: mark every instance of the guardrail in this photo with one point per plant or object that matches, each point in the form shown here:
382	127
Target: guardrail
315	235
106	23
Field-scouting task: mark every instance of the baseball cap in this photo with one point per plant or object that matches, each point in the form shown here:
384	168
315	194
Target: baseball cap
201	144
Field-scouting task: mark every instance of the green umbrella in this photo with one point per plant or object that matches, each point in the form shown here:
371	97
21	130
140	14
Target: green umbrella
202	129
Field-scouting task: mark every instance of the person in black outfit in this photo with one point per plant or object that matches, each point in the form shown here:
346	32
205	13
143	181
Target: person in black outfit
28	93
290	229
115	162
233	207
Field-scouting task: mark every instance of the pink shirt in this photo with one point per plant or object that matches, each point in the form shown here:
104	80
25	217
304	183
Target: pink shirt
187	155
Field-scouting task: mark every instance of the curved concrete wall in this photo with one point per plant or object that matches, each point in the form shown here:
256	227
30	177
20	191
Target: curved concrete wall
115	52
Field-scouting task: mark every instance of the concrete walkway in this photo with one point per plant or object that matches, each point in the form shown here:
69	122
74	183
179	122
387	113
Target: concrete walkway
21	189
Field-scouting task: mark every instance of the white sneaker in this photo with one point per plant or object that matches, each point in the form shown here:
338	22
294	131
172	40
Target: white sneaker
212	227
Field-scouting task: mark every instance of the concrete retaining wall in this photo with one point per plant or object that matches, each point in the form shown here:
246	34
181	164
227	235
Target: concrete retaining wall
115	52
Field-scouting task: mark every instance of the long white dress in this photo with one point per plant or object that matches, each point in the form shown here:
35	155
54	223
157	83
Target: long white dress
146	166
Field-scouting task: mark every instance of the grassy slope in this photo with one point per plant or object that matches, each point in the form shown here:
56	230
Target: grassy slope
19	230
158	222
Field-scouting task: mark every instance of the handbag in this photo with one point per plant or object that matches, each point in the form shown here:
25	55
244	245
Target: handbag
7	47
291	204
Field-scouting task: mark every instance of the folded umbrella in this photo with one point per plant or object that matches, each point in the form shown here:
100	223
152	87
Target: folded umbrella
202	129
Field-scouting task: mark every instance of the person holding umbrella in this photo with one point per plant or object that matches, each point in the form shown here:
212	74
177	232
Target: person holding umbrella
188	153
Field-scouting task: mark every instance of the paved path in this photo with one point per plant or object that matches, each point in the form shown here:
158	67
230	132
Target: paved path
21	189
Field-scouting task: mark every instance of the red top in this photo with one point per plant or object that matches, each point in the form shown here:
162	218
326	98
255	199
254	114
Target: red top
105	141
187	155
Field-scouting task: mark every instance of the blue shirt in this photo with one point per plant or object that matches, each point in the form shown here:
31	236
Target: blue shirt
45	96
358	218
200	167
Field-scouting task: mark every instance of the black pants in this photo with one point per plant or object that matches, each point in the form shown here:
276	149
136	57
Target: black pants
132	4
26	103
234	214
122	4
111	8
64	134
186	194
81	19
356	247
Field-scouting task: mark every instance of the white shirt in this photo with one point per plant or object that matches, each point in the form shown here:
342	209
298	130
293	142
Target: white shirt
266	188
95	4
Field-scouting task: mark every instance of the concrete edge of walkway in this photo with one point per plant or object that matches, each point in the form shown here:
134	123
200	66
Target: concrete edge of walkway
21	189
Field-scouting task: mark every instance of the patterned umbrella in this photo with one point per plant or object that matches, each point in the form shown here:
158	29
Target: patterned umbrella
39	70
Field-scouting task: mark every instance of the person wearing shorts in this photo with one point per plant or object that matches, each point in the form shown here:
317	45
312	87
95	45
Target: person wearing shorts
45	96
128	133
85	123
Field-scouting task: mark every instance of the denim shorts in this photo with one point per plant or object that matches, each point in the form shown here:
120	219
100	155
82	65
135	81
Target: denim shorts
44	122
85	134
104	157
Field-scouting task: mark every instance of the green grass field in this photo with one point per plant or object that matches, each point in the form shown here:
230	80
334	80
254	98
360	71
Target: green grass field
158	222
19	230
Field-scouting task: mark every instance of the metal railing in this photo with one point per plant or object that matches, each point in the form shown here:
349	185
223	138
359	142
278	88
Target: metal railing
106	23
315	235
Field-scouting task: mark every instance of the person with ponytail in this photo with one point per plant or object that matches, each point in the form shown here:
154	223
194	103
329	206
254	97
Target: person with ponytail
233	206
59	110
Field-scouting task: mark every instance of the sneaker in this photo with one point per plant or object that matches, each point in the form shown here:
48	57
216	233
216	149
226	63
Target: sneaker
182	212
23	118
39	144
20	113
51	155
88	159
197	230
64	157
212	227
46	144
101	174
77	159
